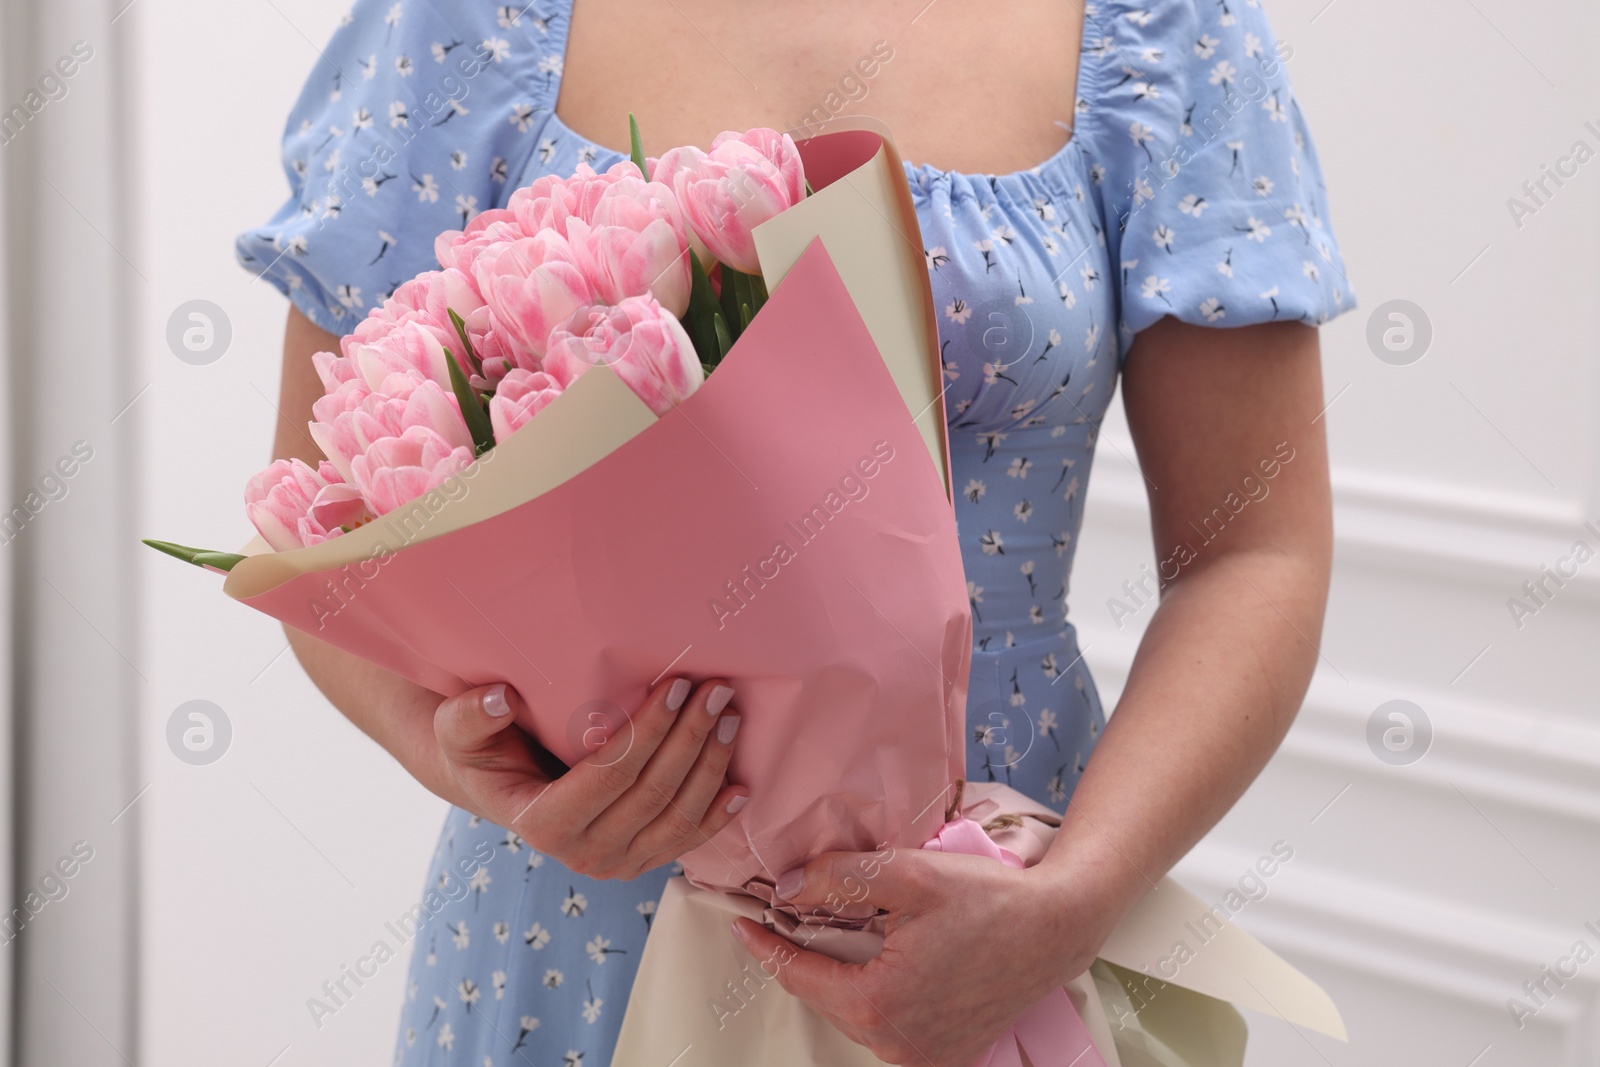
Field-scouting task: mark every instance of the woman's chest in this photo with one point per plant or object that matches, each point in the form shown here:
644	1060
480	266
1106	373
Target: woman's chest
964	86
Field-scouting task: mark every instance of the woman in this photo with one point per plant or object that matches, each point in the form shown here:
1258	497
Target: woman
1175	232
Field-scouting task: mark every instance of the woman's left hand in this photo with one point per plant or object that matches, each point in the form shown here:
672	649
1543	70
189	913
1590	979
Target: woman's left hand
970	944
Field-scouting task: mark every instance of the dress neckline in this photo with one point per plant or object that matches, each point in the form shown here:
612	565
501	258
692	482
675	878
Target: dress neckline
1055	165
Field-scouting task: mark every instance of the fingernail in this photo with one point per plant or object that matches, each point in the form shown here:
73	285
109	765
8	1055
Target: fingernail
727	727
495	704
678	694
738	931
789	883
718	699
737	802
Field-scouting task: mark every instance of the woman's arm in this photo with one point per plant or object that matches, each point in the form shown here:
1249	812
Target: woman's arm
1226	427
613	815
392	711
1216	682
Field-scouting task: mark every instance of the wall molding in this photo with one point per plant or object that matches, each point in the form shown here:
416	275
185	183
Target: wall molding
1449	948
1474	955
1552	771
1460	533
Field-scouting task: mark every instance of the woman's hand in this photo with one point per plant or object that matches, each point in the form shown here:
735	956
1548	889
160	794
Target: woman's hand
610	816
970	944
641	800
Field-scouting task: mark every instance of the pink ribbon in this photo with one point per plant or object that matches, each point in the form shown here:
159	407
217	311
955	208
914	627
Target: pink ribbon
1051	1032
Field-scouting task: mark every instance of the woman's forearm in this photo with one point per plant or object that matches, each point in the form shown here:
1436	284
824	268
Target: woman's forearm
1213	689
392	711
1216	416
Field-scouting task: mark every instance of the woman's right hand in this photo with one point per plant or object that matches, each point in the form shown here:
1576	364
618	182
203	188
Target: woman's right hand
610	815
607	817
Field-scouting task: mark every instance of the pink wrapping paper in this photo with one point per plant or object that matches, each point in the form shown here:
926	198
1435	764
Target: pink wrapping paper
786	528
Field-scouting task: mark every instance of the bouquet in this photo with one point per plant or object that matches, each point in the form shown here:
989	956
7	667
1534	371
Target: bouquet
684	415
573	458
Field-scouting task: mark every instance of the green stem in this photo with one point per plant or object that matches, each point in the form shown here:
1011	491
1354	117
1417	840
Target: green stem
732	295
742	297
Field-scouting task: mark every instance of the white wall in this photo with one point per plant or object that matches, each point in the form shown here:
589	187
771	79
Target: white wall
268	870
1422	897
1427	894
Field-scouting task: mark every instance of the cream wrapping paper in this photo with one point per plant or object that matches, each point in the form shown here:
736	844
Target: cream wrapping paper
699	1000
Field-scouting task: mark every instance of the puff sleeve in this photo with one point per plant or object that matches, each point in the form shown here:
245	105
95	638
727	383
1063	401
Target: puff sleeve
413	121
1216	208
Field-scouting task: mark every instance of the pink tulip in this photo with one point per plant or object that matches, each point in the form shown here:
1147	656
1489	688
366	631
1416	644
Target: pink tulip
458	249
293	506
411	330
634	242
640	340
349	422
550	201
396	470
547	204
521	396
338	506
331	426
530	286
560	244
497	355
408	400
726	193
334	370
425	301
407	347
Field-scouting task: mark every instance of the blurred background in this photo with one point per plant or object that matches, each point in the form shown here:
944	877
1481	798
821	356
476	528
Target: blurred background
1440	792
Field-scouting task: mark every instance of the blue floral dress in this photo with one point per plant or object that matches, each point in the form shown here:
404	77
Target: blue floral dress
1190	189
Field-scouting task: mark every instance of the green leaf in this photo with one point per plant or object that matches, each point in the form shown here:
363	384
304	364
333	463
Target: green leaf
200	557
698	319
810	191
477	419
732	284
466	342
745	315
699	280
637	145
724	339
